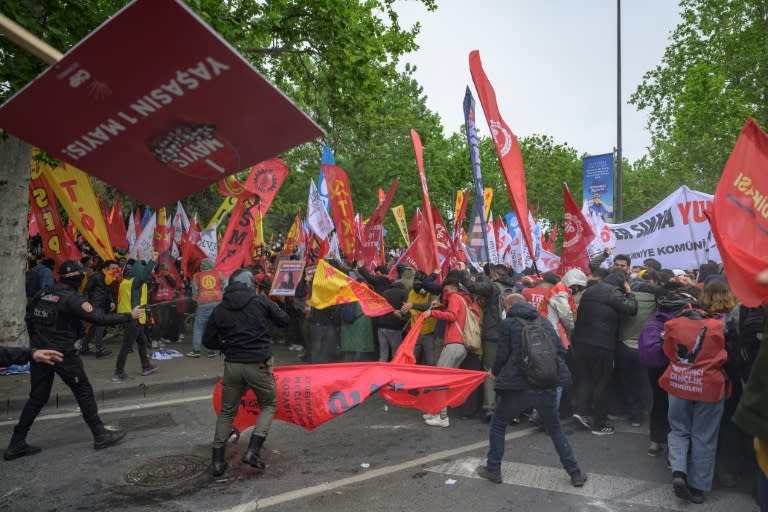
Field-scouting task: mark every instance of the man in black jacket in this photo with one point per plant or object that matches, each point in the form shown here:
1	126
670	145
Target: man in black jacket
238	327
100	296
516	394
54	320
595	335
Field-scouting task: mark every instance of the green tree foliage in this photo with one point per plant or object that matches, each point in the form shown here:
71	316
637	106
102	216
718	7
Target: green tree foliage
714	74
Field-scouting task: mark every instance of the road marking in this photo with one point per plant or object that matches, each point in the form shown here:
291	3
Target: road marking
279	499
609	493
149	405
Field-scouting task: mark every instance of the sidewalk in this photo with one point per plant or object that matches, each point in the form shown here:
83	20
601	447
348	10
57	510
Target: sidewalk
182	374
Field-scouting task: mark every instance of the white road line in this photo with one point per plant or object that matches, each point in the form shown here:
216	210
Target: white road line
279	499
148	405
610	492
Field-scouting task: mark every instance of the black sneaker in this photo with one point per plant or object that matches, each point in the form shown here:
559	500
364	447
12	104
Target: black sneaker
578	479
108	438
680	485
20	450
102	352
494	475
696	496
149	370
604	430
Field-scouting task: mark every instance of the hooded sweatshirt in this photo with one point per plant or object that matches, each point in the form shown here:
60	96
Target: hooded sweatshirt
239	325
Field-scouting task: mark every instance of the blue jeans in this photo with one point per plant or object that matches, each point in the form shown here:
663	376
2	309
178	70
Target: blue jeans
694	427
510	404
202	315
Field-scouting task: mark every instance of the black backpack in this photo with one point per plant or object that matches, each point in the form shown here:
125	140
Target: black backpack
539	361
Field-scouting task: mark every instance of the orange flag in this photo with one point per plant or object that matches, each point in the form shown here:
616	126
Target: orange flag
331	287
740	215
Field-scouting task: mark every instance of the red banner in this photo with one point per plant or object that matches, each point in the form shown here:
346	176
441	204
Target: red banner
577	235
420	254
191	253
372	243
507	148
236	245
310	395
57	243
341	207
740	217
196	112
264	180
116	226
419	150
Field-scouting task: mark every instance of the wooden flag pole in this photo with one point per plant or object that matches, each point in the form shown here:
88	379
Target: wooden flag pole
28	41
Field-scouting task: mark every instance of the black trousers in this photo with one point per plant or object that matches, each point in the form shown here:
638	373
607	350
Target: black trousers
594	368
659	420
73	374
96	336
134	332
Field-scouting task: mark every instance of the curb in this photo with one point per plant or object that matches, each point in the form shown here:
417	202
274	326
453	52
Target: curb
12	406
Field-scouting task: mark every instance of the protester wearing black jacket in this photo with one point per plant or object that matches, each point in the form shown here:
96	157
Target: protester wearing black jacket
594	339
100	295
239	328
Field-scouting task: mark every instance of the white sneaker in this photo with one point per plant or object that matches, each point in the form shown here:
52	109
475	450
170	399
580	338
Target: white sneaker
155	344
428	416
181	338
437	421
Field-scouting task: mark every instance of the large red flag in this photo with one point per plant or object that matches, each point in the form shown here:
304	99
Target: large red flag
419	150
341	206
507	148
118	234
420	254
264	180
740	215
310	395
191	253
235	248
577	234
57	242
371	243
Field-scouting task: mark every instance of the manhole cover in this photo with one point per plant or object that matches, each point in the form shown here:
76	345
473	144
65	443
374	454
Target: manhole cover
165	471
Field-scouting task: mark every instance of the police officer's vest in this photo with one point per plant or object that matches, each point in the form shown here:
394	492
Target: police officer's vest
209	284
124	298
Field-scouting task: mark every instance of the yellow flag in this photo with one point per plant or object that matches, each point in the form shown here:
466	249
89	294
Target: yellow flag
258	229
459	201
487	198
75	195
331	287
226	206
399	213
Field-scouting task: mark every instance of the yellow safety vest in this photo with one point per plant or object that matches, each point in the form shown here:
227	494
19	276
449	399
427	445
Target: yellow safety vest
124	298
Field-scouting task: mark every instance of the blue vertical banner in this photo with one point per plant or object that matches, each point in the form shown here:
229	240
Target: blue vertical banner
322	188
598	185
487	251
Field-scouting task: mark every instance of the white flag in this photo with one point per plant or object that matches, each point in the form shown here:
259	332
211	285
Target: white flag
145	242
131	236
317	217
209	242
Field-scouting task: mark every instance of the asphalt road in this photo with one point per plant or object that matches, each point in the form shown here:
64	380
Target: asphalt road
374	458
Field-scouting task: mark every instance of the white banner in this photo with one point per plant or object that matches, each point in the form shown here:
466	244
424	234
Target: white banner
209	242
317	217
675	232
145	241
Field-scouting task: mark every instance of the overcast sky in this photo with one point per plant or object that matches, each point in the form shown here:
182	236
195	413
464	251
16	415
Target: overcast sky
551	62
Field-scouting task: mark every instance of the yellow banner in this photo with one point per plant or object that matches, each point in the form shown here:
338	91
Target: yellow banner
75	195
399	213
459	201
487	198
258	229
226	206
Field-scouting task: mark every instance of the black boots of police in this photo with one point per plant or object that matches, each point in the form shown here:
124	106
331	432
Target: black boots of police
218	464
251	456
103	438
18	446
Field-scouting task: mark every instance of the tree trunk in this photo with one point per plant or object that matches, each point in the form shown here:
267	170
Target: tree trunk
15	161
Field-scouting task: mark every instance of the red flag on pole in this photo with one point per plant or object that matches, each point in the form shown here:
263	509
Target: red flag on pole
419	150
117	231
577	234
507	148
740	215
341	207
162	235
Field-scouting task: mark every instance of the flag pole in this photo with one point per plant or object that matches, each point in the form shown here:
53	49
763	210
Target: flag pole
27	41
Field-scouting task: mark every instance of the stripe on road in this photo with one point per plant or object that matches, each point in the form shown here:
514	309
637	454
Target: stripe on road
607	490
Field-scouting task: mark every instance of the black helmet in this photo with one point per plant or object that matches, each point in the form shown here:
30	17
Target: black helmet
71	268
242	276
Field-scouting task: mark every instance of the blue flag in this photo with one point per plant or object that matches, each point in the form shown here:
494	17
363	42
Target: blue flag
147	216
322	187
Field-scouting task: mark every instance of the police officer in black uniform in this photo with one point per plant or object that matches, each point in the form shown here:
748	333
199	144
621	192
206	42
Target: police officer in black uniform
54	320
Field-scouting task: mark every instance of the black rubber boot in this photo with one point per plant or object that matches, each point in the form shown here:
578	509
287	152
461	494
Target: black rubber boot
103	438
251	456
218	464
18	447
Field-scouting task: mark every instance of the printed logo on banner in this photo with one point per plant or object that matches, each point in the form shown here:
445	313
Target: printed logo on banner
506	145
573	229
